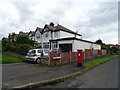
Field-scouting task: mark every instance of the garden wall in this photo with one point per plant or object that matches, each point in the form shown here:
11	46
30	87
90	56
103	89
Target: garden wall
65	57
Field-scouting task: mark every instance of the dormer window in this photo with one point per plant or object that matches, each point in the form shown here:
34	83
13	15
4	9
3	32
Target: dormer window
46	34
38	36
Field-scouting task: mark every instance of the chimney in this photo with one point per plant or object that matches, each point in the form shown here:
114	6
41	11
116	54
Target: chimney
51	24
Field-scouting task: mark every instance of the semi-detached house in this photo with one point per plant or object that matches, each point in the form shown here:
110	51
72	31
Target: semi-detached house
58	36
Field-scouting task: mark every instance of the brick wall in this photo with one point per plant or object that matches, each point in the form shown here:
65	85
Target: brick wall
72	56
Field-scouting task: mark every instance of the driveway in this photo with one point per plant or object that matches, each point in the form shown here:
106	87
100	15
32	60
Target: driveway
23	73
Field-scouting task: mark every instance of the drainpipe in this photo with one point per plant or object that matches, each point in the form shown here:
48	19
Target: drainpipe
42	41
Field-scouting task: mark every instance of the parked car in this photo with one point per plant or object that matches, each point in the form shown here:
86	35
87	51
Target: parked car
35	54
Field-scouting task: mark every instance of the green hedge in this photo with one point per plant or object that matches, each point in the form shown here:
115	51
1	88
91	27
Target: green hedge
23	48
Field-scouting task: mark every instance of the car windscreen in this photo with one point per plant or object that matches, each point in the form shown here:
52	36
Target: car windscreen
32	51
40	51
46	51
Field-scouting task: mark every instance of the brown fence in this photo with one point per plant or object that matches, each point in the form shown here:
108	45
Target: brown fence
65	57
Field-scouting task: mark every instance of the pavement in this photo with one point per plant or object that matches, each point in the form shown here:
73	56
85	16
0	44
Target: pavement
19	74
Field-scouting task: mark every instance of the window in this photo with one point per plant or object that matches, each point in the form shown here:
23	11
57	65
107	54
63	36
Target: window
46	51
46	34
54	45
32	51
40	51
38	36
45	45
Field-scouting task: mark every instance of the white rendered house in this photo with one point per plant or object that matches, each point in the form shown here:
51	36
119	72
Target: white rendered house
60	37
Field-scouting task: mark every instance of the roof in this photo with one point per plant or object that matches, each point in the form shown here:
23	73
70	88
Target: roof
38	29
113	45
73	38
23	33
32	32
59	28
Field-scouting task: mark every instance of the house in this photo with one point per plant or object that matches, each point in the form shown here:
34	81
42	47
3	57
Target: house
31	35
113	45
23	33
58	36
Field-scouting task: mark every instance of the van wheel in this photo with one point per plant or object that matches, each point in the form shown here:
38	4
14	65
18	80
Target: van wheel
38	61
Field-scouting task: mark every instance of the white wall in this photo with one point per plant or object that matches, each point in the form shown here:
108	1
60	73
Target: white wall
96	46
44	38
58	35
66	34
77	36
84	45
38	34
65	41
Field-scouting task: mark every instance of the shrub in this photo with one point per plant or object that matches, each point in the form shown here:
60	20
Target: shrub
23	48
22	39
8	45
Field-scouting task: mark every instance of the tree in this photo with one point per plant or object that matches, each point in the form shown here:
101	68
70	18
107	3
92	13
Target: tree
8	45
12	36
106	47
23	39
99	41
114	49
23	48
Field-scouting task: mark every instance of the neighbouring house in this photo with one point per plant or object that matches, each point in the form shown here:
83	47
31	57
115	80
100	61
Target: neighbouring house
58	36
31	35
113	45
23	33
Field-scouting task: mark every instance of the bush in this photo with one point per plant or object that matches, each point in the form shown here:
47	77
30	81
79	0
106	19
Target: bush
21	45
8	45
23	48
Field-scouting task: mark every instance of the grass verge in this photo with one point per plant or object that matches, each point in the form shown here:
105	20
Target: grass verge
6	58
99	61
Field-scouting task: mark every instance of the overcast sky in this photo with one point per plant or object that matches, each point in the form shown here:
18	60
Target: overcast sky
93	20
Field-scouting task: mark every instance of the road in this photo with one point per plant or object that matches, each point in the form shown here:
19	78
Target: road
103	76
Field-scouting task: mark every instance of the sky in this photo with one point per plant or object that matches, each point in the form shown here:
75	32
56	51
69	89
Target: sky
94	20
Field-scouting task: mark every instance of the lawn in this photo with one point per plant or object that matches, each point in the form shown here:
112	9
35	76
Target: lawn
6	58
99	61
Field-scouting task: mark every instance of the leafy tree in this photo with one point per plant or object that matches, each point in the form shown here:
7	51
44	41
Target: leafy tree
99	41
8	45
23	48
23	39
104	46
114	49
12	36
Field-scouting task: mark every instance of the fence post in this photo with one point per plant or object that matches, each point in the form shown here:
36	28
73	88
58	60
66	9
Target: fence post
49	58
60	58
70	56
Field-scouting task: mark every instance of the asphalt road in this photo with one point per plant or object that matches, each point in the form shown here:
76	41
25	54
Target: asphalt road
103	76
